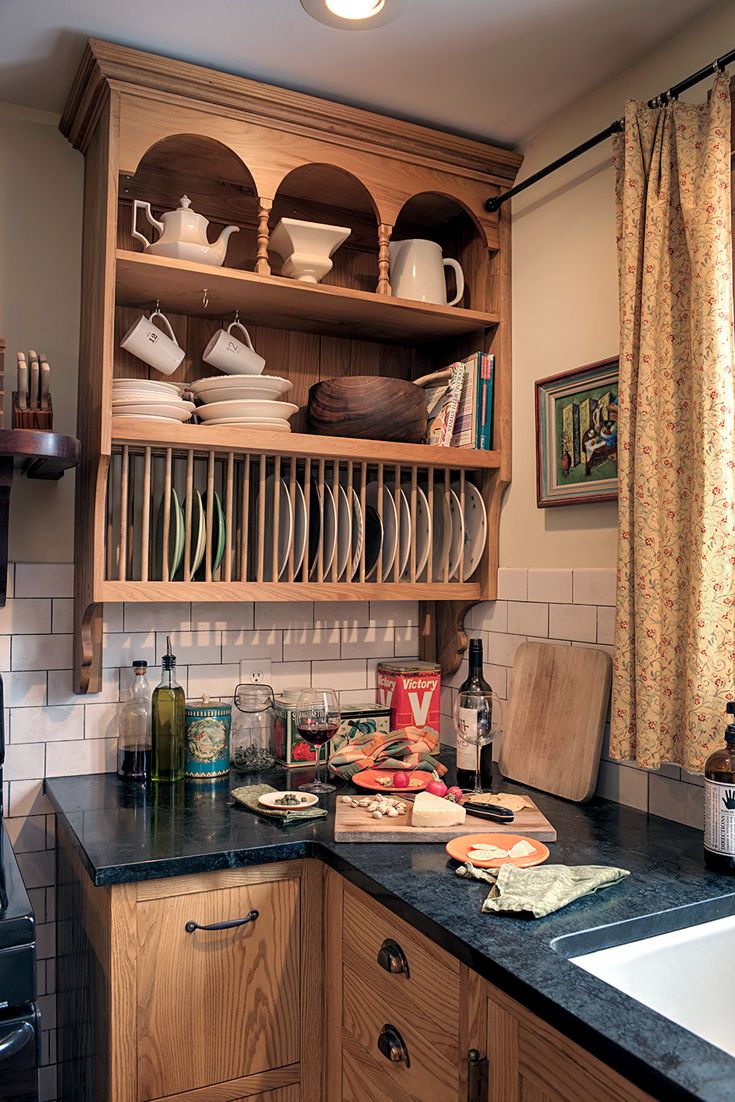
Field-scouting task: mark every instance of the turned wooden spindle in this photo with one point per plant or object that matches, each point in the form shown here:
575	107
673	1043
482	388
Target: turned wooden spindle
384	232
262	267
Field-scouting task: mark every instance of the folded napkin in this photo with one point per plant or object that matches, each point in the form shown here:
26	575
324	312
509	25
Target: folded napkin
540	891
407	748
247	797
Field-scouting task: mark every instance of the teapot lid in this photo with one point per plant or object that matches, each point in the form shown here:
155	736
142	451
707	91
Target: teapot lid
184	203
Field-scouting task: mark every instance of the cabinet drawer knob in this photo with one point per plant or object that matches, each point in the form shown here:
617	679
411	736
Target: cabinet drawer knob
393	1047
392	958
251	916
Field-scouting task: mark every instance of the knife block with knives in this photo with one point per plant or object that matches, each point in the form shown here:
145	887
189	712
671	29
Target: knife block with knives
32	408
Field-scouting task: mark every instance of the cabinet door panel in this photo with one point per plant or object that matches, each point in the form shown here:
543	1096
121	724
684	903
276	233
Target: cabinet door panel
531	1062
217	1005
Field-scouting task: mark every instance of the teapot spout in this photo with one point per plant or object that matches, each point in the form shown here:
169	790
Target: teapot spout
219	247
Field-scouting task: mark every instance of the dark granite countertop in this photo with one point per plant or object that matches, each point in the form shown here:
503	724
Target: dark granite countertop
135	833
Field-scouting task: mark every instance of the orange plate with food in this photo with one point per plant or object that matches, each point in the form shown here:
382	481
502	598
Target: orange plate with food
461	849
375	780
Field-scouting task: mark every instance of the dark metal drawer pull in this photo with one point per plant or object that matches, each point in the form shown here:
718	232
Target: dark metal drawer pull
393	1047
392	958
16	1040
251	916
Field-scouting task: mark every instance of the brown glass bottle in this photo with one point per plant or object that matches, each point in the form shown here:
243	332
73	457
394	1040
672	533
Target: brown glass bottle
719	804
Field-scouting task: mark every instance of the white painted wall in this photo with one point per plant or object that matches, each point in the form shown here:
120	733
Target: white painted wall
40	266
565	308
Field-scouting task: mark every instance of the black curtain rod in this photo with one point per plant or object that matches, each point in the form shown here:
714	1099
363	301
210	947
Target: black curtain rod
614	128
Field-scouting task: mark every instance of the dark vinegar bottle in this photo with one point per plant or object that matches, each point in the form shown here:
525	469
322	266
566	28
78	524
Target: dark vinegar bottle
466	754
719	804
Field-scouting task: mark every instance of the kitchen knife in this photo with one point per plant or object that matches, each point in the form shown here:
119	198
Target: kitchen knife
33	379
22	386
485	811
45	381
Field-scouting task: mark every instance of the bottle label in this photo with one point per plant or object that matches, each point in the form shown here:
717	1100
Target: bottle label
466	752
719	817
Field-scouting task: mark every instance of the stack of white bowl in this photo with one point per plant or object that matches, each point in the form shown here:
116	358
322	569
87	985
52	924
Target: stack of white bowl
253	400
149	400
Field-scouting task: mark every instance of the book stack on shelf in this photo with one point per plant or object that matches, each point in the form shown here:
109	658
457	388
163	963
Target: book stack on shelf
459	403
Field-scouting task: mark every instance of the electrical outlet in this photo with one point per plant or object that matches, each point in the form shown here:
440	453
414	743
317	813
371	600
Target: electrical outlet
255	672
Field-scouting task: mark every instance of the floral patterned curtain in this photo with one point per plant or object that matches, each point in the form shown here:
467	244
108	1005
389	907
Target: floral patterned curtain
675	628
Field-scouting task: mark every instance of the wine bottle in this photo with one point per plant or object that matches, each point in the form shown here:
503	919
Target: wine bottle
466	754
168	707
719	803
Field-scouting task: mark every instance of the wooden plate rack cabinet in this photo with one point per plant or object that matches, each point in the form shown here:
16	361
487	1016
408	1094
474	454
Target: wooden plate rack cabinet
248	154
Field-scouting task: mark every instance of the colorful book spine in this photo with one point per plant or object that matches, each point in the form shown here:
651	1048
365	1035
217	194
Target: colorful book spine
465	429
487	386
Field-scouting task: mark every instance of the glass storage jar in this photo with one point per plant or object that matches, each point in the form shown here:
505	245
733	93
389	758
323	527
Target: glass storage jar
252	729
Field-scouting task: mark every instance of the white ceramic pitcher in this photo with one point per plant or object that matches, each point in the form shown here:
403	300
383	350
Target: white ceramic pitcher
417	271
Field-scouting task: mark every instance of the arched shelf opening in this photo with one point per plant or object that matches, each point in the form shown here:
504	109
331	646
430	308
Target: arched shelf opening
327	194
447	220
217	182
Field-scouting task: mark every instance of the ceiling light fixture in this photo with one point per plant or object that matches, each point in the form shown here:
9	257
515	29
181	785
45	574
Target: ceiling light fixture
354	15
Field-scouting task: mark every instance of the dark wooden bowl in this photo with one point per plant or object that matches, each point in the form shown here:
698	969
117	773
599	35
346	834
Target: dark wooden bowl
368	407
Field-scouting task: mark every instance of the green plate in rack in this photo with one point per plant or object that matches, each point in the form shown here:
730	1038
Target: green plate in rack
175	537
219	537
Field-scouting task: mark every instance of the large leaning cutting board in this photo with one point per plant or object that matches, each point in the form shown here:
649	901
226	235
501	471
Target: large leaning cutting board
355	824
557	707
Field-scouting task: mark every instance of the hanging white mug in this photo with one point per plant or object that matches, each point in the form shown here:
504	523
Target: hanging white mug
231	355
153	347
417	272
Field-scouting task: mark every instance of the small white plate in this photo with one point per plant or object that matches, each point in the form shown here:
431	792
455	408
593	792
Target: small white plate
285	527
246	408
475	527
233	388
457	526
176	411
152	385
141	417
327	514
270	424
268	799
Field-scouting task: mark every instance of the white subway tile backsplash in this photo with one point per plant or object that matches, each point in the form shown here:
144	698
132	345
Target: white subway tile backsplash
60	689
27	835
47	724
206	616
44	579
606	625
594	587
553	586
623	785
340	674
316	642
512	583
290	675
62	616
371	642
501	648
24	761
528	618
244	646
156	617
25	690
406	641
123	650
25	617
487	616
73	759
41	652
112	619
216	681
390	613
191	647
284	614
101	720
573	622
26	797
684	803
37	870
342	614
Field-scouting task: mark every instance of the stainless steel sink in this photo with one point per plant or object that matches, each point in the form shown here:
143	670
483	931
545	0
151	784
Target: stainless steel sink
680	963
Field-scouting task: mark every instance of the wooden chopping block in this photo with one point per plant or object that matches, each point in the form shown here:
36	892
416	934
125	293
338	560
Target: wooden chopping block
557	708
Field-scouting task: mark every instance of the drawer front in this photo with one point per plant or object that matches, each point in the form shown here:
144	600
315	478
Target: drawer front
433	1051
362	1079
217	1005
432	983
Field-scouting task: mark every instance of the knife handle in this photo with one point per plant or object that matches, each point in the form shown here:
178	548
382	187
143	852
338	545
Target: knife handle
22	381
45	381
483	811
33	379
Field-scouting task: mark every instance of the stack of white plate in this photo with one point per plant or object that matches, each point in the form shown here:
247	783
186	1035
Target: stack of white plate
252	400
149	400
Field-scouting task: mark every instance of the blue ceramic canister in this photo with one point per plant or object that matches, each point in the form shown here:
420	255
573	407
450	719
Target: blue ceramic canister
207	727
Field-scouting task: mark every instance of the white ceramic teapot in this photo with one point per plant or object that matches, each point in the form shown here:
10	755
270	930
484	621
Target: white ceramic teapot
183	234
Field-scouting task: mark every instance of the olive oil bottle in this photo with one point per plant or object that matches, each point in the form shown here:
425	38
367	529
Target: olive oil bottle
167	710
719	803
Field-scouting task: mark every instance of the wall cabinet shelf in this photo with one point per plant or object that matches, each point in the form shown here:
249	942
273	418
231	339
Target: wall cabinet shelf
247	155
286	303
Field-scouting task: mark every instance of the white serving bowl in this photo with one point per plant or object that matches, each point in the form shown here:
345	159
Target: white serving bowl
306	247
250	408
234	388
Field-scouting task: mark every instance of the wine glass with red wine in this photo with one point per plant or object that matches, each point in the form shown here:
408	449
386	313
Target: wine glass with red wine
317	721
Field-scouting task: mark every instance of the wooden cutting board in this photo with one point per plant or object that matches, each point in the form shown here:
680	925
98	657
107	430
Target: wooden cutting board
557	708
356	824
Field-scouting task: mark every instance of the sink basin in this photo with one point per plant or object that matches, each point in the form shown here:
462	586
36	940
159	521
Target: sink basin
680	963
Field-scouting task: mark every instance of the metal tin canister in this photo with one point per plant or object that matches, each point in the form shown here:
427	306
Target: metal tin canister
207	732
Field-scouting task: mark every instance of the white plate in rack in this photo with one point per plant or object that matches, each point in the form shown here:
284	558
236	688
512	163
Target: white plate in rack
390	525
475	527
441	533
457	529
285	526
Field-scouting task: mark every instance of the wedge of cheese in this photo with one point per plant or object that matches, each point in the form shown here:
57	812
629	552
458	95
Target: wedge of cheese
434	811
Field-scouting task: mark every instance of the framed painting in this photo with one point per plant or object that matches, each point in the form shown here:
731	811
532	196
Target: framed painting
577	436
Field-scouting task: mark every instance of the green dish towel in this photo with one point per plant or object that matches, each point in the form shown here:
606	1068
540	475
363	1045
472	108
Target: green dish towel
540	891
247	797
